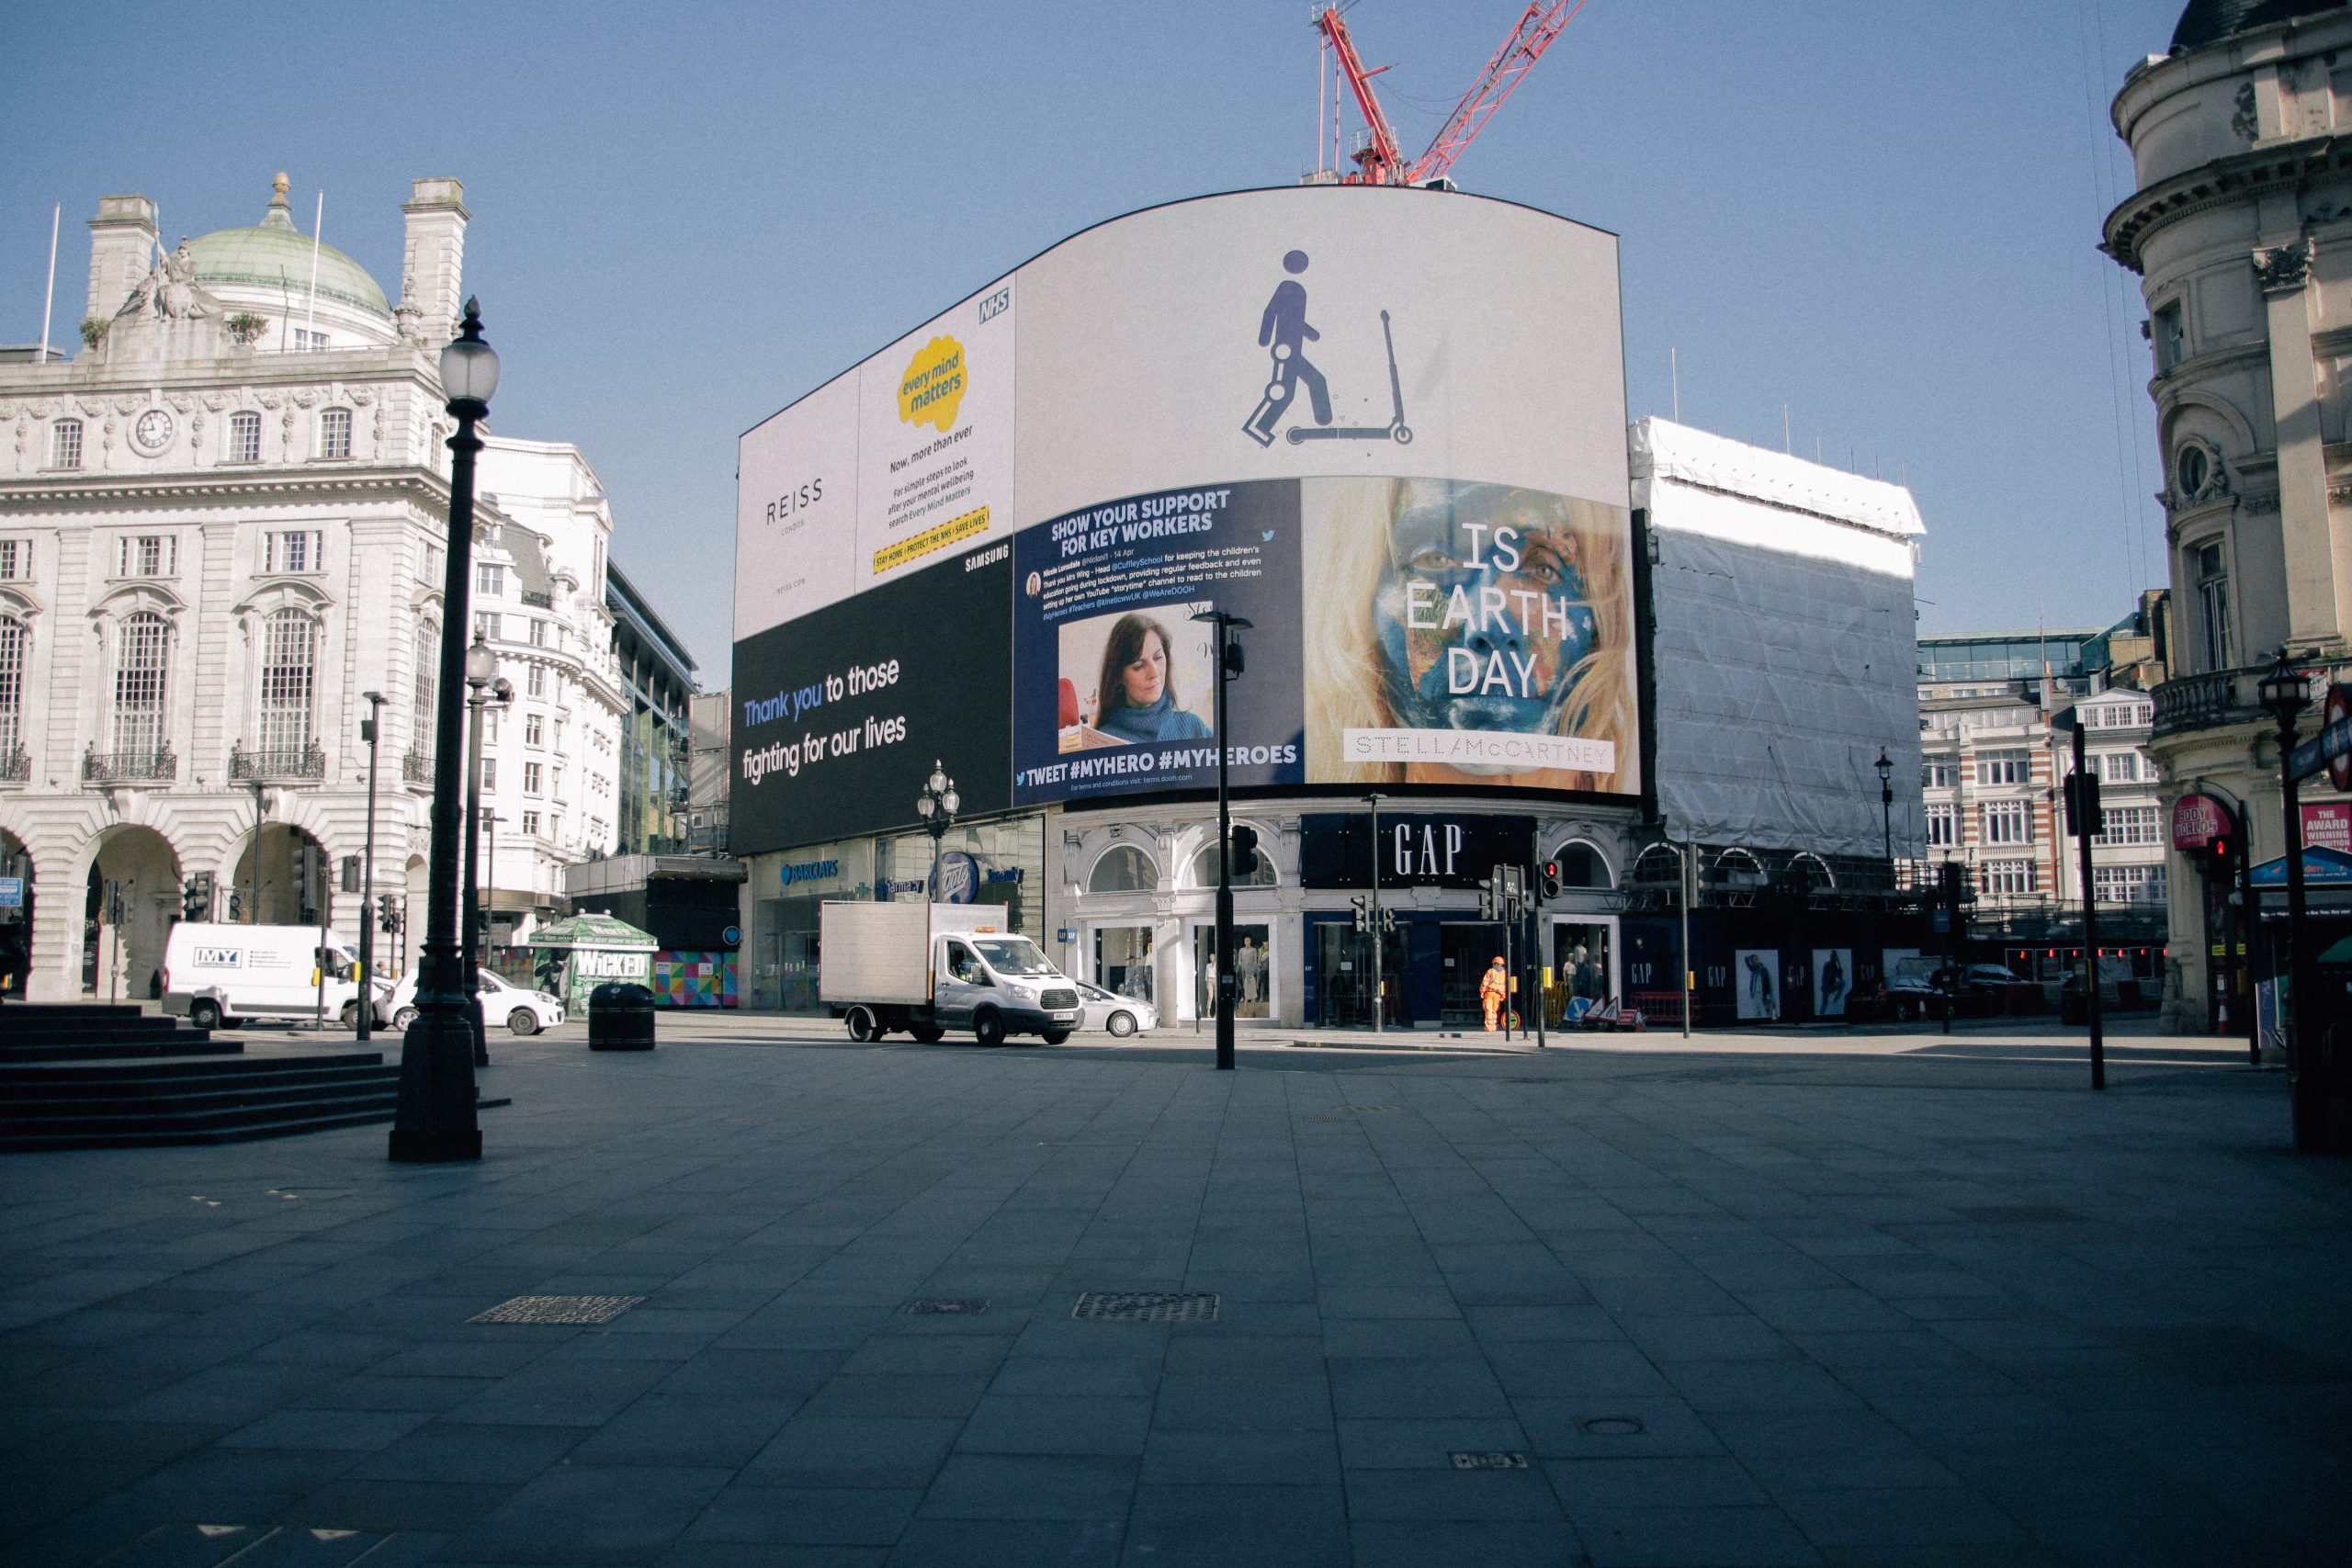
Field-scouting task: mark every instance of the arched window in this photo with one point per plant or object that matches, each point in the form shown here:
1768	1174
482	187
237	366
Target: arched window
1737	868
289	666
141	666
420	722
245	437
335	433
12	688
1126	869
1659	864
1582	865
1815	869
1205	868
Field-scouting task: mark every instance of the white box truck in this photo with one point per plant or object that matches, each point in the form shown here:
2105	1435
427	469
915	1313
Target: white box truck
215	973
905	967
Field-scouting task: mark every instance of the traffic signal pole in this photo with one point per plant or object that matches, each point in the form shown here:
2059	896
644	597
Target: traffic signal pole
367	877
2083	813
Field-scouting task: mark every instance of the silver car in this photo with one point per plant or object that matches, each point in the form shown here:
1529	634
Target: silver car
1121	1016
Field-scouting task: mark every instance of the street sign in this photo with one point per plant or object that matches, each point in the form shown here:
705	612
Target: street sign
2332	746
12	892
731	936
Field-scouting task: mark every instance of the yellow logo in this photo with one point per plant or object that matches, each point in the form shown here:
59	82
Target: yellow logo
932	388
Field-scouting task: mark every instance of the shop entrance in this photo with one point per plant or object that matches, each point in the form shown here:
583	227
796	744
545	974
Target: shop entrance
1252	965
1344	975
1584	966
1463	953
1122	961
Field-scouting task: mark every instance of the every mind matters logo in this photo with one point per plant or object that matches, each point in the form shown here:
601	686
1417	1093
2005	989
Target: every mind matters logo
1284	332
932	388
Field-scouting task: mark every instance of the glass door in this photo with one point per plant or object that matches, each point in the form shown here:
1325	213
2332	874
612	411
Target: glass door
1122	961
1584	967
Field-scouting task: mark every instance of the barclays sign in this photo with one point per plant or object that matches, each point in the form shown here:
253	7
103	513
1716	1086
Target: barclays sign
810	871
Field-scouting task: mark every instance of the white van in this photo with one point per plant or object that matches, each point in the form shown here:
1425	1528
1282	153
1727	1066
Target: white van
214	973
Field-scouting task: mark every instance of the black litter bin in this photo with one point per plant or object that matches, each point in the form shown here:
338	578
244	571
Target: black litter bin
620	1018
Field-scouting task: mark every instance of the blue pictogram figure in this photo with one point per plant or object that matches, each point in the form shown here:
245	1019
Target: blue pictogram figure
1285	331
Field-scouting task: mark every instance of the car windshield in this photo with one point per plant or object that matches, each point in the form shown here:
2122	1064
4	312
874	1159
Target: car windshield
1013	955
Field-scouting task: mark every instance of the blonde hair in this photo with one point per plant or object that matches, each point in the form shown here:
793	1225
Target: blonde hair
1346	525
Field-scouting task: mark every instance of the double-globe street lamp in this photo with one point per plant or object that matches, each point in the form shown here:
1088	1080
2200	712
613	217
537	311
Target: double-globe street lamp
485	689
435	1118
1885	766
2284	693
937	806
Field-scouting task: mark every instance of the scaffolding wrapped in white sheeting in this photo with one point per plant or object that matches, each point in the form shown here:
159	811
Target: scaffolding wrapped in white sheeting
1785	652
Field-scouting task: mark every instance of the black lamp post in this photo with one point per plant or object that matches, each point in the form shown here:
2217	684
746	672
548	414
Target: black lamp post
435	1120
261	815
937	806
1885	766
485	688
2284	693
367	876
1228	665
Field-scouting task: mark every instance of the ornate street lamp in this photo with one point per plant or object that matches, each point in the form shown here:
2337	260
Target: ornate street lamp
1885	766
937	806
435	1120
2284	693
485	688
1229	663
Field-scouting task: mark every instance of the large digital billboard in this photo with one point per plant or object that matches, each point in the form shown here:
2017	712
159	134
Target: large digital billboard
1385	426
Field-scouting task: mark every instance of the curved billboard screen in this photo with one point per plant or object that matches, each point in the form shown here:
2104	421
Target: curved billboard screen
1385	426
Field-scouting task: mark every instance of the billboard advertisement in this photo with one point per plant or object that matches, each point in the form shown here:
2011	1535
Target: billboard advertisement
1385	427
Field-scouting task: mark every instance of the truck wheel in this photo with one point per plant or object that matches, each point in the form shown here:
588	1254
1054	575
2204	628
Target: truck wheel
1122	1024
403	1018
864	1026
1055	1036
929	1034
204	1014
351	1016
987	1027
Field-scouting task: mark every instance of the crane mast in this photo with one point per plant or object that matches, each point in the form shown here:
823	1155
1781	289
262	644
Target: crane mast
1379	161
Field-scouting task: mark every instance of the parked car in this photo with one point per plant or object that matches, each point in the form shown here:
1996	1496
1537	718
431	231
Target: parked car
526	1013
1121	1016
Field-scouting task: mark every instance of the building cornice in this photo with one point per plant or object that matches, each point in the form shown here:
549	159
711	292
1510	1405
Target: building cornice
2223	182
84	492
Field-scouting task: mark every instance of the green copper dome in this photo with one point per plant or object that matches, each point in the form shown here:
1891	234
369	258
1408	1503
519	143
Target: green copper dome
274	255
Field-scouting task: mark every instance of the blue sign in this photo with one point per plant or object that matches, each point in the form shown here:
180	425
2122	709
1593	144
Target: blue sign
810	871
12	892
733	936
2322	868
958	880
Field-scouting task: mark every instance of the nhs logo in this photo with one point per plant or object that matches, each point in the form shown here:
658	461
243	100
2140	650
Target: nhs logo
220	957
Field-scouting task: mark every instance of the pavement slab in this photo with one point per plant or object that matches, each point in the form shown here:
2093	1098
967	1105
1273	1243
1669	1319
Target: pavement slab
1833	1298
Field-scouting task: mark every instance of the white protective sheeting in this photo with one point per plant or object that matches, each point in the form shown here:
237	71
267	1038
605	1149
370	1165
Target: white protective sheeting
1786	651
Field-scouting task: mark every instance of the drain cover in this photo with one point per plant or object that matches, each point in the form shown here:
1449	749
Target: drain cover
1145	1306
968	1306
1494	1459
558	1309
1611	1426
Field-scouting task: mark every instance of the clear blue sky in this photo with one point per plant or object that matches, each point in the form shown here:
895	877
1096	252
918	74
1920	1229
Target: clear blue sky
1880	215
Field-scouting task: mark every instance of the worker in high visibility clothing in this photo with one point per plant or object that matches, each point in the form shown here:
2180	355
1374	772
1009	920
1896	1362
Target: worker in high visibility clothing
1494	988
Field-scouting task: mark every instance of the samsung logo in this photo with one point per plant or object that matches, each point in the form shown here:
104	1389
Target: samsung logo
989	557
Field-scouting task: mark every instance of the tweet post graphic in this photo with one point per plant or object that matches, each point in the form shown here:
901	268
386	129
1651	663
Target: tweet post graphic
1114	683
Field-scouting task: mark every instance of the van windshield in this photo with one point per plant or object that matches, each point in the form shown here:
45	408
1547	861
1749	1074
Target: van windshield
1013	955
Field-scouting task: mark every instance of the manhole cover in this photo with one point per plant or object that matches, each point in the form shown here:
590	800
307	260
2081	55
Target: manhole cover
1145	1306
1494	1459
966	1306
558	1309
1611	1426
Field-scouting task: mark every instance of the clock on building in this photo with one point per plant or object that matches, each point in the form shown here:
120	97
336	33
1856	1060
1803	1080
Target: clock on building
153	432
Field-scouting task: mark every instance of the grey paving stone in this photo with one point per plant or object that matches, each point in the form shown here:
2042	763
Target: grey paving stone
1692	1538
856	1451
1522	1543
1689	1480
1226	1403
1225	1524
354	1429
1422	1387
590	1513
1240	1459
1001	1486
1448	1493
448	1451
1022	1543
1078	1376
1571	1369
694	1430
1933	1516
897	1395
402	1506
856	1516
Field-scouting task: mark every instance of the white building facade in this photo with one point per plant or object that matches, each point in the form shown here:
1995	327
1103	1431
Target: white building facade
222	527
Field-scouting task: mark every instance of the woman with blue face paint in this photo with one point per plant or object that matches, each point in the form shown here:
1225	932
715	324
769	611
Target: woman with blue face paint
1137	694
1466	633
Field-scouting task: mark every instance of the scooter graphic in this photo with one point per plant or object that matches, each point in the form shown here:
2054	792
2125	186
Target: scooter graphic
1395	430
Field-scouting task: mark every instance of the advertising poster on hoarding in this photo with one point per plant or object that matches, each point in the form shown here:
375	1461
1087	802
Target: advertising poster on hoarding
2327	824
1833	980
840	715
1114	683
1756	979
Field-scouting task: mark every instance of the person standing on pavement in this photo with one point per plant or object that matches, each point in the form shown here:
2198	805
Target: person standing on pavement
1493	989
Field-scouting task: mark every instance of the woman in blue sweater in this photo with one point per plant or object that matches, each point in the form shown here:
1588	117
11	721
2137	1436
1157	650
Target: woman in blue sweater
1138	691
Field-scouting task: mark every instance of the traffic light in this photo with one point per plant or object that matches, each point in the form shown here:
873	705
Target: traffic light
1244	852
1548	878
2084	819
196	896
388	915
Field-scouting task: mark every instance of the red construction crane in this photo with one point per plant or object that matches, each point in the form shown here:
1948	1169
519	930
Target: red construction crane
1379	161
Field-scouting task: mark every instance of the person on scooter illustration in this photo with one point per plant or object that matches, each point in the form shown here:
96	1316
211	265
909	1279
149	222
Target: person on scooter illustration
1284	329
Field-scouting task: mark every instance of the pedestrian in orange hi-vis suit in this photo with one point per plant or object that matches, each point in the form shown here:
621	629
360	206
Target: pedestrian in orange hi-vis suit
1492	987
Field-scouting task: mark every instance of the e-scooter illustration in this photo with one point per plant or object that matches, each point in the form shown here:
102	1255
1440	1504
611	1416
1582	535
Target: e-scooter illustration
1395	430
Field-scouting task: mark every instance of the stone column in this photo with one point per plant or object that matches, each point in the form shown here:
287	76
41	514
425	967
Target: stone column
2306	545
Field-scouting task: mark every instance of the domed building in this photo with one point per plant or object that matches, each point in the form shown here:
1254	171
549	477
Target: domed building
2240	230
221	526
